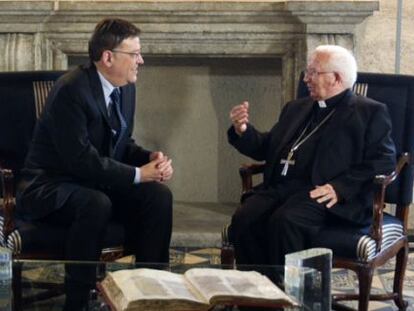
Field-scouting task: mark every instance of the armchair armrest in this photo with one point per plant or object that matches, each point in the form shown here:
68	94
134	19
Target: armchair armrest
246	172
381	182
7	181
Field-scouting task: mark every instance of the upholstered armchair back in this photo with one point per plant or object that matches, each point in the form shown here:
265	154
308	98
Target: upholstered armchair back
22	98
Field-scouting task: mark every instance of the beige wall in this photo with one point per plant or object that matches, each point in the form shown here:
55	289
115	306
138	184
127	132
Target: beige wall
182	109
375	39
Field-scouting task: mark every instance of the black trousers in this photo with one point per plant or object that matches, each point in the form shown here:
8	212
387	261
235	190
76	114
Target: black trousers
145	210
266	227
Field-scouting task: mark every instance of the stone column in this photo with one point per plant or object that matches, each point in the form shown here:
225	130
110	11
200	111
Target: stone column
29	52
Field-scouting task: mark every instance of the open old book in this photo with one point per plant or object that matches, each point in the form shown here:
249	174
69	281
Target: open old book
197	289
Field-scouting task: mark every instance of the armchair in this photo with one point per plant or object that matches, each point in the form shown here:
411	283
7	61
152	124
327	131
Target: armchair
23	95
366	249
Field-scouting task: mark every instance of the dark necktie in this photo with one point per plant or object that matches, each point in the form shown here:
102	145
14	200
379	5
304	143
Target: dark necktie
115	113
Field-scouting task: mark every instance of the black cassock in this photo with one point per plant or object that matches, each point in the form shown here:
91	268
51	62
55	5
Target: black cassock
351	145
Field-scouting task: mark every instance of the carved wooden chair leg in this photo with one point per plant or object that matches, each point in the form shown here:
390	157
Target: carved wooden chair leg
400	265
365	275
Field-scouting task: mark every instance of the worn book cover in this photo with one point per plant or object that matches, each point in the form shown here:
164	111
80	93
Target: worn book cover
197	289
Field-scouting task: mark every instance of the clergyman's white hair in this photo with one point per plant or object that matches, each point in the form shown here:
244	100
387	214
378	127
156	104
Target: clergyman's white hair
340	60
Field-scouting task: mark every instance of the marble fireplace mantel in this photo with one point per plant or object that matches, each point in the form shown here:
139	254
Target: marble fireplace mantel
36	35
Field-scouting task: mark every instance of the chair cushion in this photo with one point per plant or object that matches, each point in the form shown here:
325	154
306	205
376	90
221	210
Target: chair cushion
356	243
32	237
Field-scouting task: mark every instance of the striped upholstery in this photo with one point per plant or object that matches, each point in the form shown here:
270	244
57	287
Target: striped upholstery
355	243
365	249
360	89
40	90
14	242
2	239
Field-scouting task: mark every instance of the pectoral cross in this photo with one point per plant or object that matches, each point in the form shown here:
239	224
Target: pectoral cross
288	161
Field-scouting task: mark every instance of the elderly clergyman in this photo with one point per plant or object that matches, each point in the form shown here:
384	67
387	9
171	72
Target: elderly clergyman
321	157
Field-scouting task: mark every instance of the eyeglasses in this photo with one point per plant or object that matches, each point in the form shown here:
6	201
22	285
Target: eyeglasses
135	55
313	72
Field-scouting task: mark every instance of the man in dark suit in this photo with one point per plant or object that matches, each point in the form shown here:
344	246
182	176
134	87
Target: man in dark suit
84	169
320	157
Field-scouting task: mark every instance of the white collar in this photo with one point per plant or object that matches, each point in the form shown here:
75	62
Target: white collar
322	104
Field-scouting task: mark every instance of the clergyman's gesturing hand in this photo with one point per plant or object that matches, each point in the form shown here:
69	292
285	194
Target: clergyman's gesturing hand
239	116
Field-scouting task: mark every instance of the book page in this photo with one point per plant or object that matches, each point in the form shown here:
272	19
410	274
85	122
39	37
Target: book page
218	284
130	287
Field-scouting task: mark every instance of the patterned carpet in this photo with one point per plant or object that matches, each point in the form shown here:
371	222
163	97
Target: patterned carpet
342	280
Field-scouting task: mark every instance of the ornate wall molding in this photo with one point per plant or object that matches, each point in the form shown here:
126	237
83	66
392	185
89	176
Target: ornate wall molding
41	34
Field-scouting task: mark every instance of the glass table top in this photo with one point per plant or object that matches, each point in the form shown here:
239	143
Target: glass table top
38	274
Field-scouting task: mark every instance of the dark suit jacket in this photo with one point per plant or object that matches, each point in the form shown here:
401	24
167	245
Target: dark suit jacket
72	145
355	146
